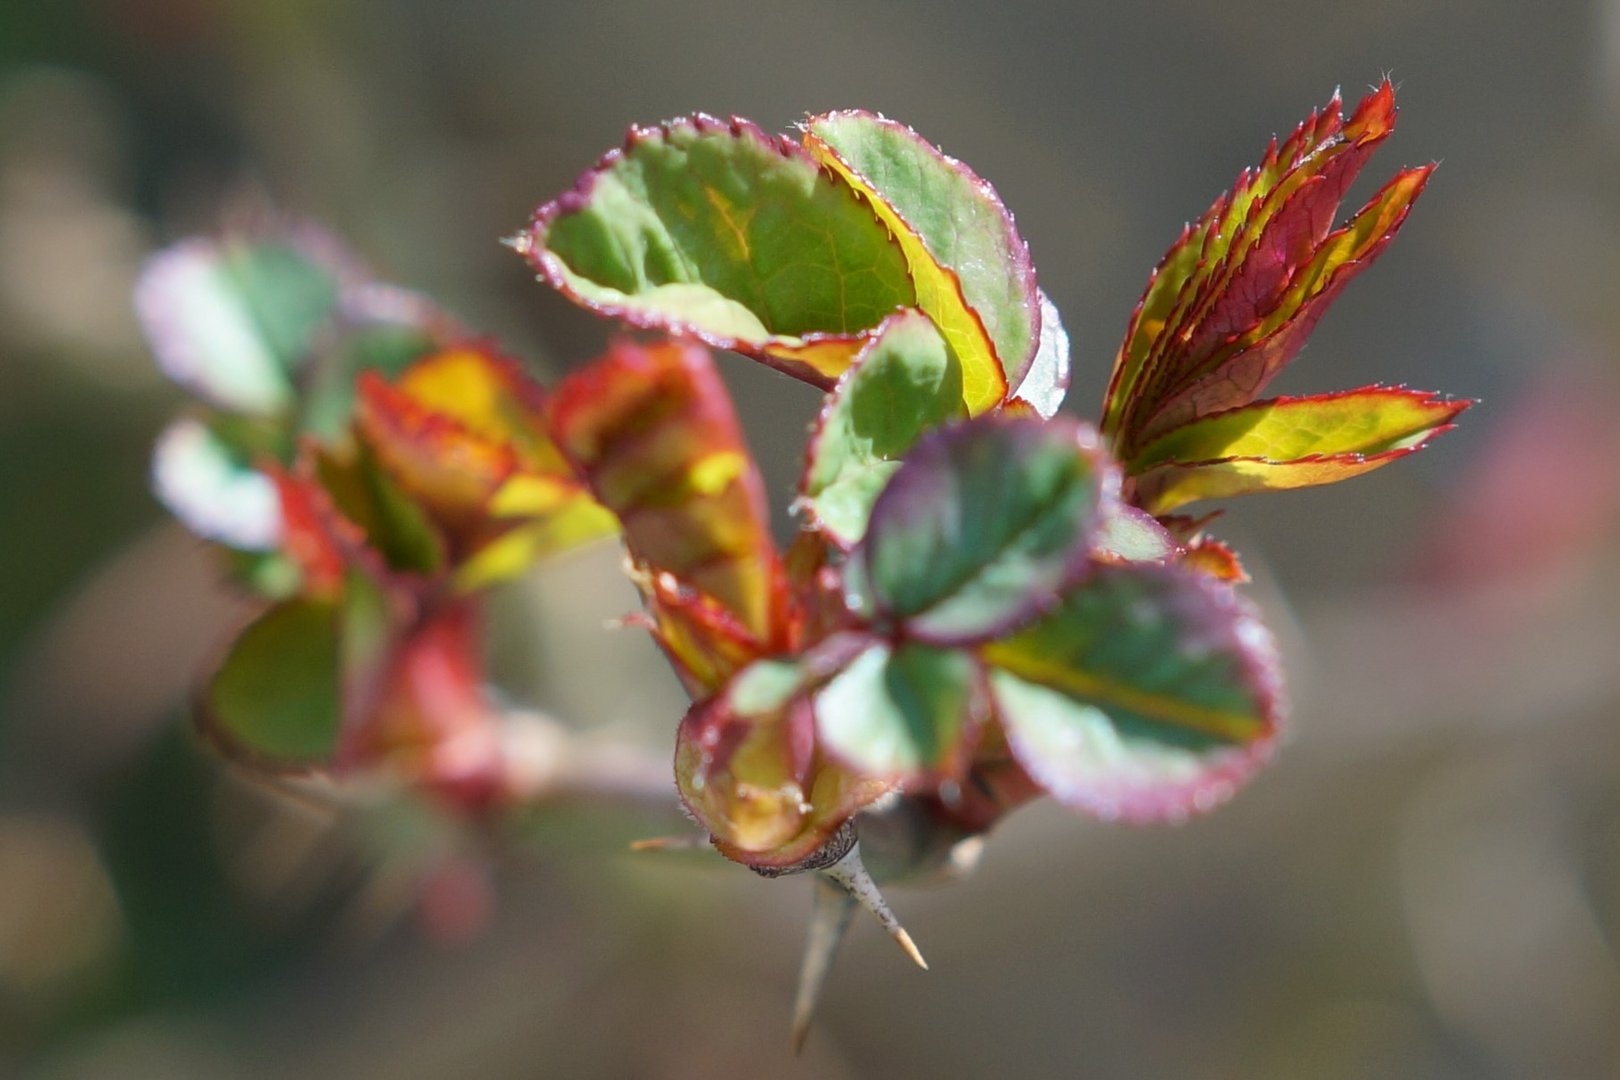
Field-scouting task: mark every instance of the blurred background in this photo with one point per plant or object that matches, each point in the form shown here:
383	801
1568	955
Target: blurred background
1426	884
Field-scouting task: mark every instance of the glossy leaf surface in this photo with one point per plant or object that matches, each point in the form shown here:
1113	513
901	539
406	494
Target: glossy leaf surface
903	712
716	230
983	522
904	383
1288	443
971	268
1150	692
1047	382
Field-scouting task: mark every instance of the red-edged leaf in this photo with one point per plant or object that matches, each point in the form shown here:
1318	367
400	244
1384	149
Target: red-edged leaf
1236	296
1287	443
970	267
461	432
1149	693
747	769
652	431
715	230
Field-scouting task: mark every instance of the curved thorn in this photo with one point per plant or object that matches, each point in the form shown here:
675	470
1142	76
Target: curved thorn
850	874
829	919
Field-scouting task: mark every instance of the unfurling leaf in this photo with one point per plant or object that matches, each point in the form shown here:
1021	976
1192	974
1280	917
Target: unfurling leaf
971	268
747	768
652	432
461	433
905	382
1235	298
1287	443
981	525
1149	693
716	230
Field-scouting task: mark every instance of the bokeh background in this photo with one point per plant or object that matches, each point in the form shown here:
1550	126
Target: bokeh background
1426	884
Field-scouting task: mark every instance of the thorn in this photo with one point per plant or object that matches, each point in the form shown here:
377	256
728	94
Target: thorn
849	874
669	843
829	919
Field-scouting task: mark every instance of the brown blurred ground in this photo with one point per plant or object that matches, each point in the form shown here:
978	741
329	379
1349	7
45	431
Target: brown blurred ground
1427	884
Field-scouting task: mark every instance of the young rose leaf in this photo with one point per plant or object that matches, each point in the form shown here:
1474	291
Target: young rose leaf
1047	382
905	382
1149	693
1237	295
207	479
982	523
652	431
1287	443
1237	372
970	266
1129	534
703	641
384	329
718	231
462	434
276	699
903	712
746	769
394	525
232	320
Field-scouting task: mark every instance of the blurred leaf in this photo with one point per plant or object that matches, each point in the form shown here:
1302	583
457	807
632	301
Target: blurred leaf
275	701
983	522
232	320
903	712
1150	692
905	382
391	330
1134	535
394	525
652	431
1288	443
718	231
970	267
462	433
208	480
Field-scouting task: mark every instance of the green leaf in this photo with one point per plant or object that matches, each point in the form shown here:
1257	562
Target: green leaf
971	267
982	523
904	383
715	230
903	712
233	320
276	700
1149	693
